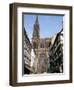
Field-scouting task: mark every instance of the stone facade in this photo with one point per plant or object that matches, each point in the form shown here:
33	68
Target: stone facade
41	47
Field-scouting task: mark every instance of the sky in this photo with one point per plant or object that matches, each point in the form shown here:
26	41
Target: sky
49	24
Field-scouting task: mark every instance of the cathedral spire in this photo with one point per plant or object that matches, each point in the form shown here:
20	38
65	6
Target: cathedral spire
36	29
36	22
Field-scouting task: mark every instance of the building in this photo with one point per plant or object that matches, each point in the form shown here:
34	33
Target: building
41	48
27	54
43	55
56	54
33	63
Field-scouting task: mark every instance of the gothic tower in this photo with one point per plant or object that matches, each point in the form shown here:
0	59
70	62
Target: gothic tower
41	48
36	34
36	29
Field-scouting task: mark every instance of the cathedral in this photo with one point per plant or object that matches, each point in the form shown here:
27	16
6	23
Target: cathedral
41	49
43	55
